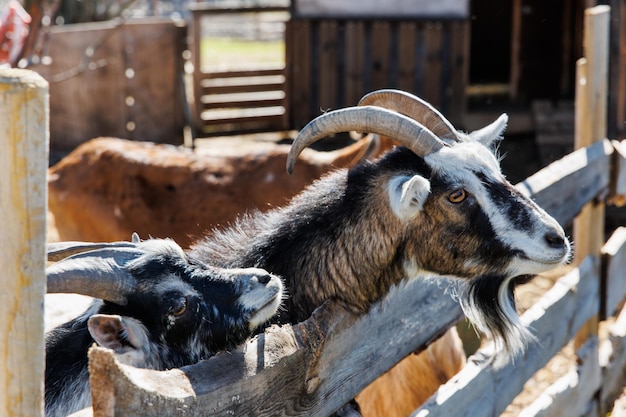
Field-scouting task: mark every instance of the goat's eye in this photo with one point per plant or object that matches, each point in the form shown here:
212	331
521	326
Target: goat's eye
457	196
179	308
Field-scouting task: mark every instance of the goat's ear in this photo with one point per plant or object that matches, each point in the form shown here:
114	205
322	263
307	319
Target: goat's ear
491	134
407	195
115	332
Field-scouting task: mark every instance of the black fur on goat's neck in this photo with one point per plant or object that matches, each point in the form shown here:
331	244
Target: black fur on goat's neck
58	376
339	239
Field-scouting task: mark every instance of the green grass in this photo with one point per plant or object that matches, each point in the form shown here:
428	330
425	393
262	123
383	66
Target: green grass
227	53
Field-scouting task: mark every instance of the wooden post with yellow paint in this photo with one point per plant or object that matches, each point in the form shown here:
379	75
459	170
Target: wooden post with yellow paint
24	142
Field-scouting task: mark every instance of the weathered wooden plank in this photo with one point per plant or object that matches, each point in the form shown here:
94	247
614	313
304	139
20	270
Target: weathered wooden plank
380	50
238	116
196	57
613	361
571	394
259	72
433	38
247	86
617	81
482	390
23	196
617	194
310	369
328	64
516	41
614	259
459	71
209	7
576	179
299	63
245	100
103	82
407	50
355	61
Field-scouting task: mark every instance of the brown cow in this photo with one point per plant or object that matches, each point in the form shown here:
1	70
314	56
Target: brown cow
108	188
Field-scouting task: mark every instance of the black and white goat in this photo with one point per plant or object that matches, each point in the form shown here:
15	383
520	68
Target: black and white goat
437	206
155	307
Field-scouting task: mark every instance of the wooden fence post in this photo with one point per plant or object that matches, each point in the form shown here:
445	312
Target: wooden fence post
23	198
591	117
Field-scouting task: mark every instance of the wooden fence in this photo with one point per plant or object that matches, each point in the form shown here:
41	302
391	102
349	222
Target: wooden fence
332	63
313	368
117	78
236	101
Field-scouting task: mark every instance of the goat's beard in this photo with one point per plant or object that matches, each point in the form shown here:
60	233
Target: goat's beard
489	303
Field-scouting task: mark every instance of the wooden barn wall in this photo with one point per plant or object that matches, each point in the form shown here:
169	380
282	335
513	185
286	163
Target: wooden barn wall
332	63
129	87
617	71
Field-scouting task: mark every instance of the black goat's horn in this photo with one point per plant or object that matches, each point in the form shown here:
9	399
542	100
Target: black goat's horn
371	119
98	273
413	107
60	250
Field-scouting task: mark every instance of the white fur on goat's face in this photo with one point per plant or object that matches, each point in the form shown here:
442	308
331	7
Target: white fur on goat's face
534	242
516	220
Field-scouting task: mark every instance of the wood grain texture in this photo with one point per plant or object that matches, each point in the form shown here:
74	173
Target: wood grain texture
24	161
311	369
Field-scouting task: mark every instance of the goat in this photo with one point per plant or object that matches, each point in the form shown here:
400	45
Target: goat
438	205
171	192
155	307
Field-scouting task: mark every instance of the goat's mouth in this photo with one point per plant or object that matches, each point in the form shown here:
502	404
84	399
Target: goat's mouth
524	263
264	307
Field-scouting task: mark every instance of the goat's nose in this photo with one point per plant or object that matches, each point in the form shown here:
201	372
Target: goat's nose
264	278
555	240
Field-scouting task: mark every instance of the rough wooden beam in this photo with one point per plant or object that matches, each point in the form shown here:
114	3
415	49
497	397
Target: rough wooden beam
23	197
310	369
571	394
617	194
482	390
576	178
614	265
613	361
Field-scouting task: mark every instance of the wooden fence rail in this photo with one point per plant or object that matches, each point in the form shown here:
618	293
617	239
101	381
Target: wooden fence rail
243	100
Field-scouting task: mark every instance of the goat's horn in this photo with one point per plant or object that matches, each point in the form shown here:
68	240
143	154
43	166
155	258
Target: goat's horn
97	273
413	107
60	250
372	119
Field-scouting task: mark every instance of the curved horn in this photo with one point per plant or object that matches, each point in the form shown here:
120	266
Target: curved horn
371	119
413	107
97	273
59	250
